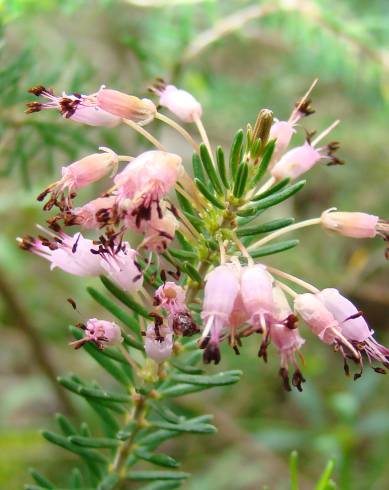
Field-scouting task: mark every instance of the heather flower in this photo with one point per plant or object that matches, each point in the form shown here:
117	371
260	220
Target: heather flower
353	326
355	225
257	295
179	102
141	111
91	215
323	324
145	181
73	254
158	343
100	332
220	292
80	174
77	107
159	232
119	264
171	297
282	132
285	336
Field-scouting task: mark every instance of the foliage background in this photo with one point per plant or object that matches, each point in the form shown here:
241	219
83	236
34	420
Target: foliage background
236	61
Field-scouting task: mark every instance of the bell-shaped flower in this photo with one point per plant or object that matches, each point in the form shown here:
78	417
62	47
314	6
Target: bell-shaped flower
180	102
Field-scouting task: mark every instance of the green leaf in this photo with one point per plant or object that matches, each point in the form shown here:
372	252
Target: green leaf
182	389
65	425
235	153
221	165
66	444
109	482
263	166
126	299
195	220
76	479
183	254
293	471
265	227
128	320
41	480
186	427
278	197
198	168
210	169
103	360
162	485
85	430
220	379
326	476
184	203
157	458
95	393
273	249
192	272
94	442
208	194
241	180
156	475
183	242
183	367
156	438
275	188
110	424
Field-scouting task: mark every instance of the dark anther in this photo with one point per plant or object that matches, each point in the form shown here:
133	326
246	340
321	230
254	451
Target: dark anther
158	320
75	244
283	372
33	107
175	275
298	379
163	275
38	90
291	321
236	350
346	368
263	351
72	302
305	108
211	354
43	194
379	370
184	324
204	342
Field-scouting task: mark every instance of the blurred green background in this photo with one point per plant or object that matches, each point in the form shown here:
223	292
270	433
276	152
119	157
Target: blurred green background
236	57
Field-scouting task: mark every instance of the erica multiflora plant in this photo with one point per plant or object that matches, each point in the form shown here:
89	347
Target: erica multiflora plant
195	280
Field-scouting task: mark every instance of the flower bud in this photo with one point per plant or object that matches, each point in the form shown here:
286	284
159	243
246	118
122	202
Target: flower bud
263	126
257	294
141	111
355	225
296	162
179	102
318	318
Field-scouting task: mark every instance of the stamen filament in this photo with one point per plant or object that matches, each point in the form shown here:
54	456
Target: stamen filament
282	231
183	132
324	133
144	133
294	279
204	137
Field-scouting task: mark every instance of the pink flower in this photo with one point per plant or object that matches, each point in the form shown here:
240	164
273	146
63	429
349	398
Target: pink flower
353	326
119	264
70	253
158	343
160	231
141	111
323	323
179	102
80	174
171	297
146	180
257	295
220	292
355	225
77	107
282	132
92	215
285	336
100	332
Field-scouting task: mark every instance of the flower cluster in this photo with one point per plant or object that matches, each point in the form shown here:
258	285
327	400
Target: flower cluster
219	291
